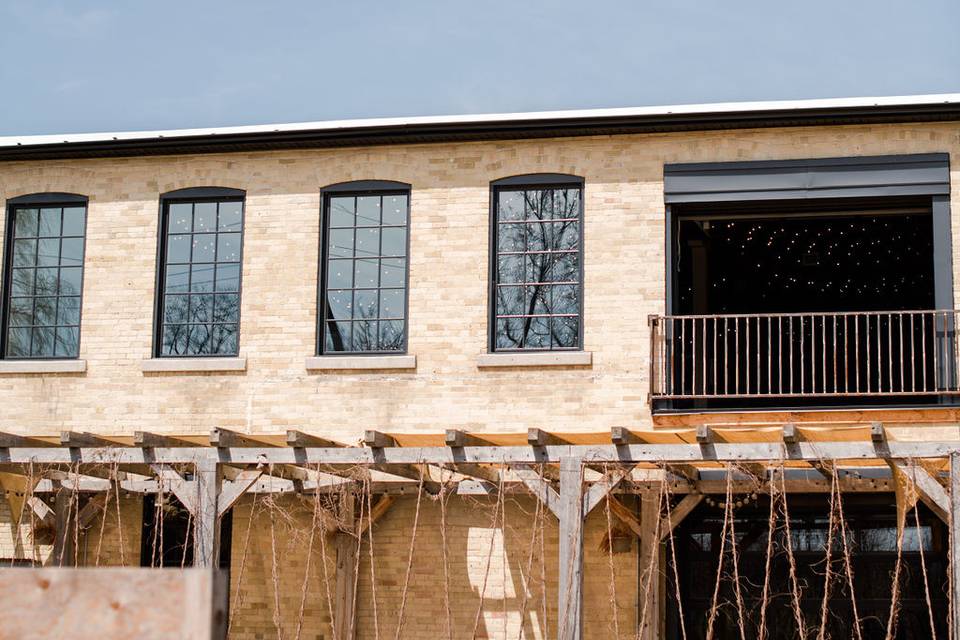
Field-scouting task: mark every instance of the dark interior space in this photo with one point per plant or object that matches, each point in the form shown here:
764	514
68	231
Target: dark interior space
167	536
872	541
807	305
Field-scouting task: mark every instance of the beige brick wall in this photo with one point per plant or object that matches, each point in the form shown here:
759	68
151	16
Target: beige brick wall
624	238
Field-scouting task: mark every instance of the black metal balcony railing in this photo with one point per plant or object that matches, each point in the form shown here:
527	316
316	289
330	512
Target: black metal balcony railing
875	353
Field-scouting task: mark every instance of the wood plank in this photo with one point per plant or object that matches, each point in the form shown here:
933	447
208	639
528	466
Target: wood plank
678	513
206	539
300	439
42	511
379	509
929	490
490	475
458	438
624	514
151	440
378	439
76	439
598	490
649	561
225	438
64	546
184	490
232	491
345	598
954	561
539	487
540	438
570	583
12	440
94	507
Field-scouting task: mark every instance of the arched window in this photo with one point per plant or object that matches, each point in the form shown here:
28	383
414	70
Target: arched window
198	292
363	268
44	276
536	283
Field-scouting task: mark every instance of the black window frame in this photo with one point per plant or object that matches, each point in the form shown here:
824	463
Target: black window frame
533	181
192	195
357	188
39	200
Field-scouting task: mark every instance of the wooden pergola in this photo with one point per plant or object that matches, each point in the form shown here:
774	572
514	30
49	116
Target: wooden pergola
569	473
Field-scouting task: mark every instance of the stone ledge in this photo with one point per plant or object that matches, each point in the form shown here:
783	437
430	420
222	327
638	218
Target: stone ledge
536	359
42	366
340	363
190	365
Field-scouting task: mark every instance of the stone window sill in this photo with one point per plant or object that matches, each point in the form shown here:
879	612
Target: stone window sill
342	363
42	366
192	365
537	359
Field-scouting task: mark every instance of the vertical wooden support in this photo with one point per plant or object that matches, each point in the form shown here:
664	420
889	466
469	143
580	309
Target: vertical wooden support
570	514
346	589
650	573
63	541
955	543
206	529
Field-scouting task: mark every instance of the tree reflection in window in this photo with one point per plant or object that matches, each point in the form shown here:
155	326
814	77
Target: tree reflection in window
537	283
46	280
365	256
200	314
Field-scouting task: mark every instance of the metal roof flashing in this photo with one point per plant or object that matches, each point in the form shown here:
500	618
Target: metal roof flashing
503	126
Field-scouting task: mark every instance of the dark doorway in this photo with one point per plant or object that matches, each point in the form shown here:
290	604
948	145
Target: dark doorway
167	537
872	534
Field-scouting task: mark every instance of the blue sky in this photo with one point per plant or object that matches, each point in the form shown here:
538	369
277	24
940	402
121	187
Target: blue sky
78	66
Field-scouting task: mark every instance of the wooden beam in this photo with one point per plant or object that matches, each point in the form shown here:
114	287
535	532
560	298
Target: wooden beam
94	507
76	439
379	509
232	491
377	439
11	440
678	513
152	440
539	487
184	490
570	585
929	490
225	438
954	560
541	438
649	561
601	488
64	522
300	439
42	511
489	475
345	598
624	514
206	538
458	438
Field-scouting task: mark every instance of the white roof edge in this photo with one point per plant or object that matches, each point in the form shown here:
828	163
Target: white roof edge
533	116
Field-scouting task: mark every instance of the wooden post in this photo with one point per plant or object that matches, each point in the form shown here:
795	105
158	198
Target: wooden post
650	600
206	528
955	543
63	541
570	514
344	618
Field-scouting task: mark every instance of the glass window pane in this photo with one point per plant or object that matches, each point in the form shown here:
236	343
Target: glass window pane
566	203
201	308
391	335
226	308
365	337
68	310
70	279
566	332
365	304
566	298
174	341
368	211
392	303
21	312
339	304
395	209
201	277
538	205
178	278
67	343
366	273
73	220
342	211
537	299
47	282
566	268
337	336
204	217
340	274
511	237
394	241
228	247
223	340
368	242
24	253
23	282
198	342
48	252
50	221
566	235
510	268
510	301
18	343
175	309
510	205
45	311
509	333
537	267
393	272
204	247
538	334
228	277
180	218
340	243
71	252
42	341
231	216
178	249
26	223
